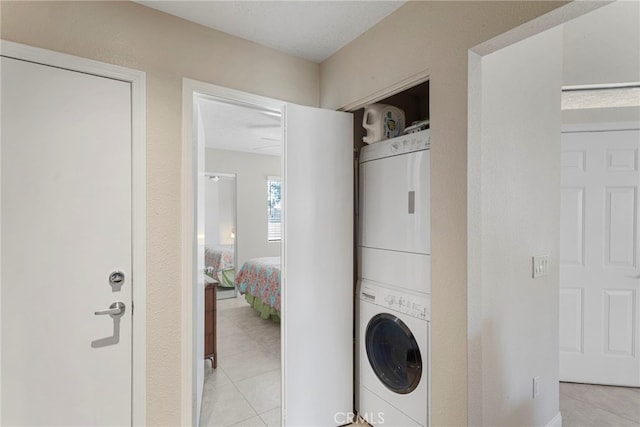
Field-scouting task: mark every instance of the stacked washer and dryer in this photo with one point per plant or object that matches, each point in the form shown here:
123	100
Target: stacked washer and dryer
394	285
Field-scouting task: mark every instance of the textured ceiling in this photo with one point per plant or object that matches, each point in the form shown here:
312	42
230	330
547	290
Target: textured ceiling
312	30
239	128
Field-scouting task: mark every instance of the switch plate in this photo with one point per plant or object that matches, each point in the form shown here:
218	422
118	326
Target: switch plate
540	265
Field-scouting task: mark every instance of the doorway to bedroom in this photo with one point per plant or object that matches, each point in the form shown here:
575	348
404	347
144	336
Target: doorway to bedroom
316	182
241	262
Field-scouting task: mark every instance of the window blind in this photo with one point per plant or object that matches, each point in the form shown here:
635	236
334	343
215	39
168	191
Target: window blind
274	199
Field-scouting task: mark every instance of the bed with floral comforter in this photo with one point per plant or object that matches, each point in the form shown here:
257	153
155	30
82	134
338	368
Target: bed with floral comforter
259	281
218	263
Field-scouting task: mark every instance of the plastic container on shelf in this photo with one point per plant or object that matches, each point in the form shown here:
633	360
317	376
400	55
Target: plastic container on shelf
382	121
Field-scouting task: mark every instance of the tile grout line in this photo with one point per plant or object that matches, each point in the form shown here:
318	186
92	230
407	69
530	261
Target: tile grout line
263	348
597	404
247	400
263	420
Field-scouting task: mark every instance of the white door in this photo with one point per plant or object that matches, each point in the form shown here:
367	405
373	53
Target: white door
66	226
317	267
599	272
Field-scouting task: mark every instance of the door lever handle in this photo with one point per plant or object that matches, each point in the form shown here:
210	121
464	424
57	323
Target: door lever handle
115	310
637	276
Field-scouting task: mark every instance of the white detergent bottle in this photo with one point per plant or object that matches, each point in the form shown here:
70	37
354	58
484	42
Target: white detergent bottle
382	121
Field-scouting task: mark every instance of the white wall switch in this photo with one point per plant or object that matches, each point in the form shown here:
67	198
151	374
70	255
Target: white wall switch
540	265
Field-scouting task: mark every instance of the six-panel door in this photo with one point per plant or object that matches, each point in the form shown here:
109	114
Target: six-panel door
599	274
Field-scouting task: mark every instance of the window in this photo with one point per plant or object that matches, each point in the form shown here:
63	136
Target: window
274	208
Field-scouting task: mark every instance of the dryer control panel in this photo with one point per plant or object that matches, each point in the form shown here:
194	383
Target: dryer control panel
413	304
409	143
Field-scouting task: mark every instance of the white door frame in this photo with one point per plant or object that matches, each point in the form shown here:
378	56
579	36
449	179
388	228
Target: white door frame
600	127
137	79
192	168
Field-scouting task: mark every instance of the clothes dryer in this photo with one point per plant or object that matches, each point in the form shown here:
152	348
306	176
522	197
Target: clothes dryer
395	211
394	239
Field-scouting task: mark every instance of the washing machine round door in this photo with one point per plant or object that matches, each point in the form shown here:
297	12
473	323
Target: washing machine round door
393	353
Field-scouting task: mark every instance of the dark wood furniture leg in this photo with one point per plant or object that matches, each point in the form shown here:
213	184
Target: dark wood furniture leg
210	324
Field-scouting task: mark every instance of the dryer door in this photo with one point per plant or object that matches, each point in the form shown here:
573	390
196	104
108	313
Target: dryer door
393	353
395	203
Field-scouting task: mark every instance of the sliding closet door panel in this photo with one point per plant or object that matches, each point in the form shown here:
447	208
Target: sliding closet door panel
317	266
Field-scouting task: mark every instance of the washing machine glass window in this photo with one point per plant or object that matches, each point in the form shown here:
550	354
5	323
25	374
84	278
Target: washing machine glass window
393	353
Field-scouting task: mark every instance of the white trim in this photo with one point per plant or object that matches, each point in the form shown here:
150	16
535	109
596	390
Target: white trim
139	198
475	412
396	88
233	96
188	214
556	421
0	256
600	86
191	169
600	127
70	62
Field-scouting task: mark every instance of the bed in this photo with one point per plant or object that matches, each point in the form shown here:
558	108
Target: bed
259	281
218	263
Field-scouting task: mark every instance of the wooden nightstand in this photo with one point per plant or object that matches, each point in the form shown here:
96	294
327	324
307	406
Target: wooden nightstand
210	316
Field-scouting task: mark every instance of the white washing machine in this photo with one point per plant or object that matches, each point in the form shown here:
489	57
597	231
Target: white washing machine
393	388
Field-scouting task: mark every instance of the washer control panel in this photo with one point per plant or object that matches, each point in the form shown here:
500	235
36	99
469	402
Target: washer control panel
413	304
409	143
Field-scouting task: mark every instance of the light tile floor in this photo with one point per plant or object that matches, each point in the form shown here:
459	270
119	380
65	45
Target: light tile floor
586	405
245	388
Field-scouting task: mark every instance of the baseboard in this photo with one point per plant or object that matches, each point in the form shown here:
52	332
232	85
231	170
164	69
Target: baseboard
556	421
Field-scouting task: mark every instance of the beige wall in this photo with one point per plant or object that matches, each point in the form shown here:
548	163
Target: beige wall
433	36
167	49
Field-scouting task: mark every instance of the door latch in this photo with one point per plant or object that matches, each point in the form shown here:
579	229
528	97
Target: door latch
115	310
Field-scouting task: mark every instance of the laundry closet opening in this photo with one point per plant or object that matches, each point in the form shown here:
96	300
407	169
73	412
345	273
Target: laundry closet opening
316	172
414	102
392	258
